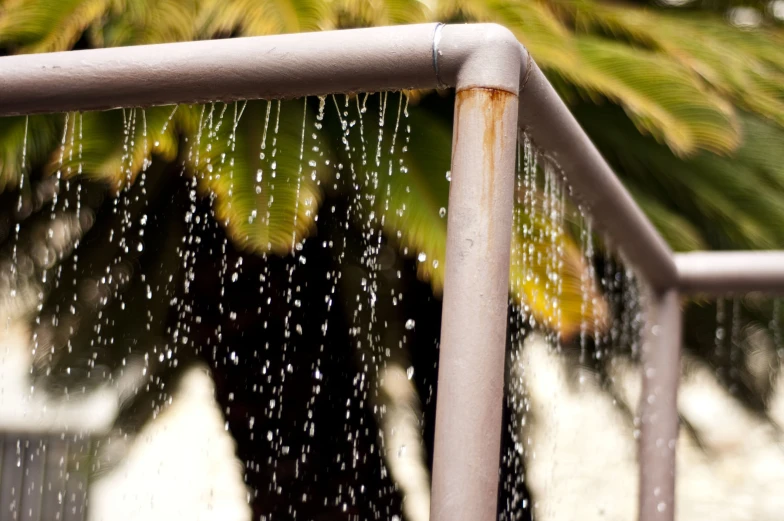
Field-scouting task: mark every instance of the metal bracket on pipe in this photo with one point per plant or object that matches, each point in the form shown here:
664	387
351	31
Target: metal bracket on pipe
436	41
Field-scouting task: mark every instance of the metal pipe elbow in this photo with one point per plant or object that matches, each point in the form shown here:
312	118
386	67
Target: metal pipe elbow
484	56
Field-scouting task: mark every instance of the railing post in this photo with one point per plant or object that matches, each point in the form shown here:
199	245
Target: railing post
474	316
659	407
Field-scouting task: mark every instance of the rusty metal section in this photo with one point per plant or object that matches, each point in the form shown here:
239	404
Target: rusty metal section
473	328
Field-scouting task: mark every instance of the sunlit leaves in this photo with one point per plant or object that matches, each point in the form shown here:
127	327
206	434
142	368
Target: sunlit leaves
114	146
744	66
263	178
24	140
577	303
362	13
620	53
255	18
686	114
413	201
45	26
135	22
731	202
678	79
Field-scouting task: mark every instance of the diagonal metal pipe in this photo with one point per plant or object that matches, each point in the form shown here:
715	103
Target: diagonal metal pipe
498	88
553	128
383	58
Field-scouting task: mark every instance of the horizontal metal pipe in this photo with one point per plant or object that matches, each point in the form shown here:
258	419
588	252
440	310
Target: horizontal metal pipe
280	66
482	56
382	58
545	118
723	272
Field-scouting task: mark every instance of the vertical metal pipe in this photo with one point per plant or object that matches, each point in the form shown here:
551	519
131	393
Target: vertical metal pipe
473	328
659	407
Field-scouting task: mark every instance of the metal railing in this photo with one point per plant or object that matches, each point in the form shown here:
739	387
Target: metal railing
28	460
499	90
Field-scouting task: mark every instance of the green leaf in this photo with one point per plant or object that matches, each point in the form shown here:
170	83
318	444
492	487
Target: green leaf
361	13
32	138
681	234
734	202
744	65
685	114
255	18
136	22
45	26
265	181
410	199
114	146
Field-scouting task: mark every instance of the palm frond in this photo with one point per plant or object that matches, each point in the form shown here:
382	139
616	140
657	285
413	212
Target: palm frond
361	13
24	140
559	291
734	202
745	66
537	27
686	115
114	146
137	22
681	234
763	149
44	26
411	197
255	18
263	163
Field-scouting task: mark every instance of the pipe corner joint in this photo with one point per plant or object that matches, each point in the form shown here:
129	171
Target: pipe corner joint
479	56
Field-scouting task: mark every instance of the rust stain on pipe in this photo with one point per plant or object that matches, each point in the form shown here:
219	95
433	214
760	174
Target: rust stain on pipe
476	287
492	103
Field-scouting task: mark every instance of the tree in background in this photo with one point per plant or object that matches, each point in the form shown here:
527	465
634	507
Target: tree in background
686	102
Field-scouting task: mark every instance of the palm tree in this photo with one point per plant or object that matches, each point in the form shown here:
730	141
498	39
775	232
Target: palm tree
688	108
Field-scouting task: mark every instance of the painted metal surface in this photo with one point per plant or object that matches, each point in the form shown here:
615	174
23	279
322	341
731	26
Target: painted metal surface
488	67
382	58
553	128
661	371
723	272
280	66
473	326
